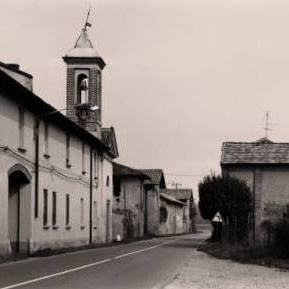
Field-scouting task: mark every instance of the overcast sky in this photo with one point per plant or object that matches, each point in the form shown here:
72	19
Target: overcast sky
182	76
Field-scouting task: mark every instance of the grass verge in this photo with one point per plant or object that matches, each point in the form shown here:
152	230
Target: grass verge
245	254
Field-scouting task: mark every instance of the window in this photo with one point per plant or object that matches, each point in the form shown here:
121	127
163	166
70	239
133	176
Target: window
96	166
21	123
98	92
68	165
54	209
82	89
83	158
81	211
141	193
116	187
46	140
107	181
67	210
95	214
45	207
163	214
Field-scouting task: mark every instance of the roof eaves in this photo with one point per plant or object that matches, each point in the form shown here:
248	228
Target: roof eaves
16	70
41	108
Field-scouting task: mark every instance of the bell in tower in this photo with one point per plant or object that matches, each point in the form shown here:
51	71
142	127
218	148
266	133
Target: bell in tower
83	91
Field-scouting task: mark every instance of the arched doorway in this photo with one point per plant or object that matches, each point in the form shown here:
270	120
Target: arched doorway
19	197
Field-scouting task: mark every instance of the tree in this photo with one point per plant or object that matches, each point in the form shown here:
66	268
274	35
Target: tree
231	197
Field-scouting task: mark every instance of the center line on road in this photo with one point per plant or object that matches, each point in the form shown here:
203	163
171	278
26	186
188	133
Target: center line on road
82	267
142	250
56	274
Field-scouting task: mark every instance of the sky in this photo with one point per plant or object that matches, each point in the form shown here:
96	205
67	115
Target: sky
182	76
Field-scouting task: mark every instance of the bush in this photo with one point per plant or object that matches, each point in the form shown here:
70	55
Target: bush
281	238
232	198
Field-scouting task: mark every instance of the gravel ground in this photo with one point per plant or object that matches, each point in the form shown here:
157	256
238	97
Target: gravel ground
205	272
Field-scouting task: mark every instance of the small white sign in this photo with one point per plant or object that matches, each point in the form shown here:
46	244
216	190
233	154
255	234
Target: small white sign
217	218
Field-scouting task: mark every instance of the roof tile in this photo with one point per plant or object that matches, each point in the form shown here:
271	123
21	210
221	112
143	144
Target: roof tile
261	152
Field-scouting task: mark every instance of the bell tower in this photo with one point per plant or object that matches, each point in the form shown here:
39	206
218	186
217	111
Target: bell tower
83	90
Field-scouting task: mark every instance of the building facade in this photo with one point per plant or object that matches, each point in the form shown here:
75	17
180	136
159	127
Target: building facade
171	215
152	186
264	166
128	202
56	171
187	198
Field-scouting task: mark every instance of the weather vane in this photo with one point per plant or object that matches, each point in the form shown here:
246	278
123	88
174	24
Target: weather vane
87	24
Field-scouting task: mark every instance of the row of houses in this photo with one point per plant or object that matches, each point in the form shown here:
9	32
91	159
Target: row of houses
142	205
59	184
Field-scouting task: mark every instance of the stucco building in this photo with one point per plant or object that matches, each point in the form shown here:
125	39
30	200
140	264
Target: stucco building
152	186
171	215
56	171
187	198
128	202
264	166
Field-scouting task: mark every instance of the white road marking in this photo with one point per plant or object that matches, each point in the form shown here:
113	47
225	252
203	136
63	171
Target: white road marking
139	251
56	274
82	267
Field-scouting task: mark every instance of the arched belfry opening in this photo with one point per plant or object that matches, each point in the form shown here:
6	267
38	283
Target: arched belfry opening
19	209
82	89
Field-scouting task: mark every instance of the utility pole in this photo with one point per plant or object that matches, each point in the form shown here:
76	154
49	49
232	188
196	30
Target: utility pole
176	185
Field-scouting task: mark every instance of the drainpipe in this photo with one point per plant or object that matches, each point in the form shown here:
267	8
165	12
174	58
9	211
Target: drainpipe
36	166
90	196
254	203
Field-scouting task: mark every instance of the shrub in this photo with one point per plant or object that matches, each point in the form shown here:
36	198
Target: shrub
281	238
232	198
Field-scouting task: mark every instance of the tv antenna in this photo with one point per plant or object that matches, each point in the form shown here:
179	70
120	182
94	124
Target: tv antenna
267	124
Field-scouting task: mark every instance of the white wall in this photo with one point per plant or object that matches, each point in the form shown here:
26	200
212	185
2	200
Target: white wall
53	176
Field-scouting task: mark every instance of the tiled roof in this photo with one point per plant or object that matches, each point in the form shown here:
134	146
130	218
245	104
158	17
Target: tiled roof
108	137
124	171
16	70
156	175
262	151
171	199
179	194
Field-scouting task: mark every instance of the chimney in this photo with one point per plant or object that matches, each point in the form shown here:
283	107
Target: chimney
13	66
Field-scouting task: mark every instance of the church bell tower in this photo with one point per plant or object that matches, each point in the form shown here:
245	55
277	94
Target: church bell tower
83	91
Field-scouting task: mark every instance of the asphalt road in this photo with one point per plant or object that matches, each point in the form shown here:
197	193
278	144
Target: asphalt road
144	264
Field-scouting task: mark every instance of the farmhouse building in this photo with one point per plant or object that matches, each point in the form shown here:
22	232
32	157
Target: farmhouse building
153	185
171	215
264	166
56	172
128	202
186	197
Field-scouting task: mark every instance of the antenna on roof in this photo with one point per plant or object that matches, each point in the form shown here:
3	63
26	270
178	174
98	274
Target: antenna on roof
87	24
267	123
